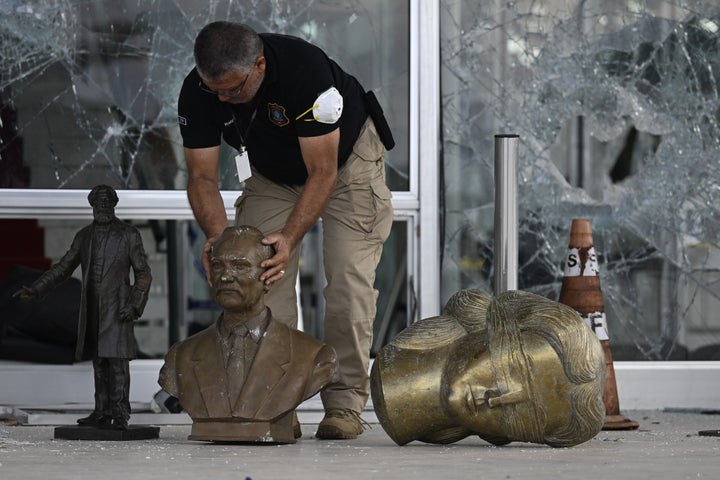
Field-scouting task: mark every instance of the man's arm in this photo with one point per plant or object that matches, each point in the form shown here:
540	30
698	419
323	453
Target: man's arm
320	156
204	195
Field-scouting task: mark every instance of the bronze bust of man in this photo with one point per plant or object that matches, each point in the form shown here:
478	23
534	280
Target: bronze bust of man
241	378
517	367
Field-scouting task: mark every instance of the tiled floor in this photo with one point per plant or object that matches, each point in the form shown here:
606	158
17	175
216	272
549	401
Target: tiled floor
667	445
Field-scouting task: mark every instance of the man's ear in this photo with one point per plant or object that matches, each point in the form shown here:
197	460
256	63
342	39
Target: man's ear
260	62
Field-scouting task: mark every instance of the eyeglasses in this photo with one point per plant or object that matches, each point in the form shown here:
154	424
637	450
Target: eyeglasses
231	93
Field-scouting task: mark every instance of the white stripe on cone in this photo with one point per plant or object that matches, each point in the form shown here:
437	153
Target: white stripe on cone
572	264
598	324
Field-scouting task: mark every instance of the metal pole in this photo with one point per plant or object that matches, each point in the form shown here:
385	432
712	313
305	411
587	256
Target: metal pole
175	294
506	225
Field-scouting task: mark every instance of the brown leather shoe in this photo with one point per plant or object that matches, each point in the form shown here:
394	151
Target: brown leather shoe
340	424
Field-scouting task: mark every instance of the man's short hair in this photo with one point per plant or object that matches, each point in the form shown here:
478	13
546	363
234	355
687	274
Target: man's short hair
222	47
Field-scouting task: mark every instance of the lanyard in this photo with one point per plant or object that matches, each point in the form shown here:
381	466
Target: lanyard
252	117
247	130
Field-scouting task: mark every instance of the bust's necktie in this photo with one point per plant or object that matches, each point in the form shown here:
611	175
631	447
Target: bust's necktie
239	359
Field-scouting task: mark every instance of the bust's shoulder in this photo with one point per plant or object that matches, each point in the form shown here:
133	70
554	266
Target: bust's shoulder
308	343
196	342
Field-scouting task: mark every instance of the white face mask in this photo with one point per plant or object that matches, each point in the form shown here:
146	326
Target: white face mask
328	106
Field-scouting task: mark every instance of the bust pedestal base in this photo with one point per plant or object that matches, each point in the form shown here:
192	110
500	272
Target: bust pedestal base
243	431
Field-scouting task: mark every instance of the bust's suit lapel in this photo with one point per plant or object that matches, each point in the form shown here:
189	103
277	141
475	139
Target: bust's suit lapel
211	379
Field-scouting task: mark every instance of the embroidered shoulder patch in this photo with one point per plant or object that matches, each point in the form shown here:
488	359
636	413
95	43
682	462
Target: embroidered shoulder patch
277	114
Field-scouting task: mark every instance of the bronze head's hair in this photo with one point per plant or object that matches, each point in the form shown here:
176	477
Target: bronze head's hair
464	312
223	47
241	231
514	315
469	308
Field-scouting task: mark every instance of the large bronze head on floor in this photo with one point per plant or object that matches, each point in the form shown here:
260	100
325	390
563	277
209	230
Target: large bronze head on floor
518	367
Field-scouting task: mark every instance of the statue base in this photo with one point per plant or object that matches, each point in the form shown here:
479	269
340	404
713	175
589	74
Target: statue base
237	431
134	432
619	422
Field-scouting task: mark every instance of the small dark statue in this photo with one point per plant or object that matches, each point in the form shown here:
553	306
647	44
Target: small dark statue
106	250
241	378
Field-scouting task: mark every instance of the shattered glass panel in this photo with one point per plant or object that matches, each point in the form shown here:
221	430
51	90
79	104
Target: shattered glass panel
616	105
89	87
88	95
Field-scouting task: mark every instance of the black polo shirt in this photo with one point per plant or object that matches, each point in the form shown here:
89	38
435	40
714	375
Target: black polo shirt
296	73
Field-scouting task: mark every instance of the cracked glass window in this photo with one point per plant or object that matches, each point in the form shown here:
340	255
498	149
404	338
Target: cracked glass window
89	88
616	105
88	95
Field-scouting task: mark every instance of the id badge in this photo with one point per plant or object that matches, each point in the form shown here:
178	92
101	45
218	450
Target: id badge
242	163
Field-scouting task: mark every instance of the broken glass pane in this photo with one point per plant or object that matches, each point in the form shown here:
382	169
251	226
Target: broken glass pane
89	87
616	104
88	93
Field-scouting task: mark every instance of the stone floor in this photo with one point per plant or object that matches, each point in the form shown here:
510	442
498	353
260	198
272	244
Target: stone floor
668	445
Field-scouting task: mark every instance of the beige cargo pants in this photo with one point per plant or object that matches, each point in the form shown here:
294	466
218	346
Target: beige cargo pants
356	223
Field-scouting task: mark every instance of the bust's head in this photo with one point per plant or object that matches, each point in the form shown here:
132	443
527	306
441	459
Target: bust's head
235	269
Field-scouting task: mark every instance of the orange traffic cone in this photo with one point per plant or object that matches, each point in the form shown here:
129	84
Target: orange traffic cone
581	291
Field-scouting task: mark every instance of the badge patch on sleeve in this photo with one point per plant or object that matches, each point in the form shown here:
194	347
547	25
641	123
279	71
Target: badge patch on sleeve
277	114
